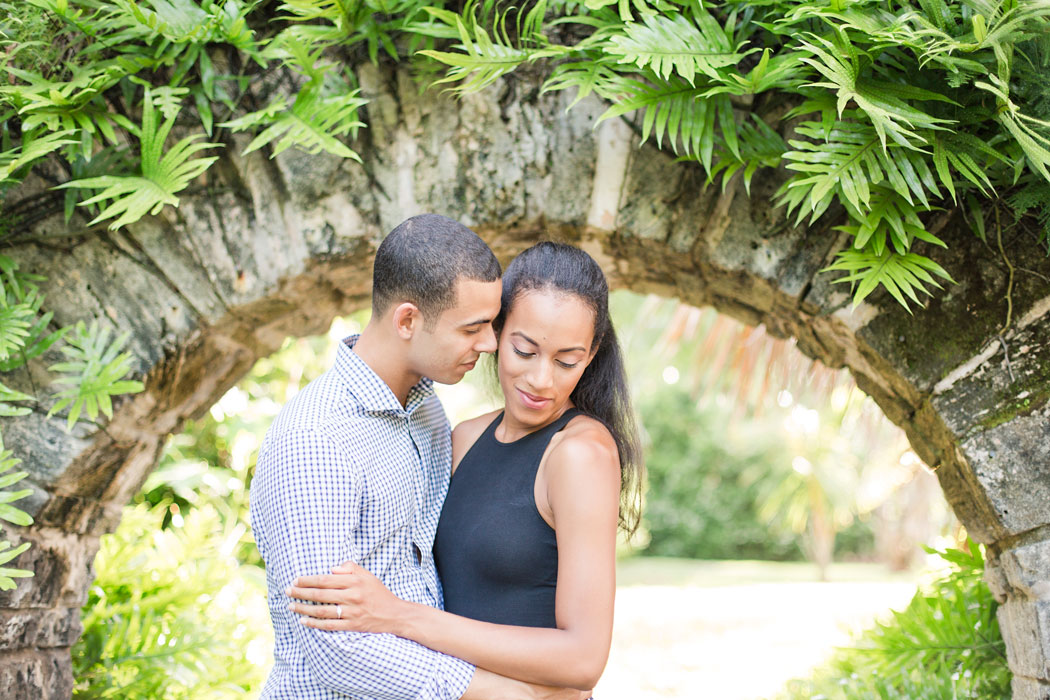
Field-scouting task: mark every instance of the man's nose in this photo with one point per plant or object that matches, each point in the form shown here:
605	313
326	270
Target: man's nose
486	341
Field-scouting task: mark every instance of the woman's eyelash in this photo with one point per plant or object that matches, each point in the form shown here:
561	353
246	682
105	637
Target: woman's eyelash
566	365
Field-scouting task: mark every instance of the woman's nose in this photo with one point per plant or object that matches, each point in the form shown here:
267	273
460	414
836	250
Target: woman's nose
541	376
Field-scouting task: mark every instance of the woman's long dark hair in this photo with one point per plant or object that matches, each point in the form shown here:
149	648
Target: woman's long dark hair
602	391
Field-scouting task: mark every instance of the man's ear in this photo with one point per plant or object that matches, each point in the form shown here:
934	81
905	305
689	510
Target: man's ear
407	319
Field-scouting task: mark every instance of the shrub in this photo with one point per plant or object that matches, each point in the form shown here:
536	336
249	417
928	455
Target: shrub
945	645
172	615
703	486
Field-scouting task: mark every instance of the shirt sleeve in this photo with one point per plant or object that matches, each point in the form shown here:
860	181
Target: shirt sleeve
309	503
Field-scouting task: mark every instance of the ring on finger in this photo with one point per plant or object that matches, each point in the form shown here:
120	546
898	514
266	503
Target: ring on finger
339	611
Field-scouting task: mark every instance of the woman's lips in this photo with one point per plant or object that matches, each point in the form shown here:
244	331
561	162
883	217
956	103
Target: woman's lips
531	401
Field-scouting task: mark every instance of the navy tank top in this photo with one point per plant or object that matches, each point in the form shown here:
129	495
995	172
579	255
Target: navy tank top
496	555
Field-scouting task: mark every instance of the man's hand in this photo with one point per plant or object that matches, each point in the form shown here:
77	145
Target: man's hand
489	686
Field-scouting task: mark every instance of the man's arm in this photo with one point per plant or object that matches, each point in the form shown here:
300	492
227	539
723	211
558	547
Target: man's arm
308	502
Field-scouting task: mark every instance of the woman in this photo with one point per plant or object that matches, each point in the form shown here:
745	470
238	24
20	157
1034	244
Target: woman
526	542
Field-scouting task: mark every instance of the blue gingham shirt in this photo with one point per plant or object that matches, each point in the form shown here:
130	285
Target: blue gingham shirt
346	473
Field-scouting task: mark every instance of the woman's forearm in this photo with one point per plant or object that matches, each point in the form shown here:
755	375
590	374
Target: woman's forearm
540	655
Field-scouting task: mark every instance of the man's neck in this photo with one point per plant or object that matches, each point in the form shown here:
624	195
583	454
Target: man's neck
383	356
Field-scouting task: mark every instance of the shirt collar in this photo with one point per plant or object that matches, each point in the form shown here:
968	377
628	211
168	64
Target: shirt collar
369	389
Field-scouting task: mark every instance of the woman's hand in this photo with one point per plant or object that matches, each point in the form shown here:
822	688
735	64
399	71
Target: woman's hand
351	598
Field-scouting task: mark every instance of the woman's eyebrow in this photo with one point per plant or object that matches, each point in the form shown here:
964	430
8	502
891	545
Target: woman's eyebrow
530	340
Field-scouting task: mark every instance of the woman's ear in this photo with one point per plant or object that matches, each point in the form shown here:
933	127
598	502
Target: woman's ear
407	319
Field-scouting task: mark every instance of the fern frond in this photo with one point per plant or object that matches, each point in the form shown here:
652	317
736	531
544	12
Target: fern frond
162	174
679	111
674	45
314	123
1033	135
32	149
760	147
889	220
597	75
900	274
841	64
848	164
10	513
481	59
95	370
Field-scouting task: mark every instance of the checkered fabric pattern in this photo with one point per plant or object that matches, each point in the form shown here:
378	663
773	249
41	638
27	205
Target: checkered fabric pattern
346	473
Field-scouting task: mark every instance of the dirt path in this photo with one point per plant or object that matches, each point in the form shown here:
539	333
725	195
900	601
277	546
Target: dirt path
737	642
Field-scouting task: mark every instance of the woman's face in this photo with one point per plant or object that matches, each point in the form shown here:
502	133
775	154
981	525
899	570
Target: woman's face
544	346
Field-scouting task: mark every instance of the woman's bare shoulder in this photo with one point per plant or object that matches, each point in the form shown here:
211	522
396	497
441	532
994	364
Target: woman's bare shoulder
587	442
466	433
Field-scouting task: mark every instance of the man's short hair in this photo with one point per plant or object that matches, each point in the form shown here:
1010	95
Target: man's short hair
420	261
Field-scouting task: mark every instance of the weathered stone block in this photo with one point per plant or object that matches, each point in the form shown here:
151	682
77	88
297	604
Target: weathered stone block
1030	689
62	566
46	674
1012	463
1006	380
1025	626
34	628
1027	569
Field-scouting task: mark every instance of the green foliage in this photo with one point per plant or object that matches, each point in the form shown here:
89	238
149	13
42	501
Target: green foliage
171	614
945	645
906	108
95	370
917	102
11	514
703	491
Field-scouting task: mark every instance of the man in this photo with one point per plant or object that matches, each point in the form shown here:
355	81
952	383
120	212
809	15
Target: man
356	467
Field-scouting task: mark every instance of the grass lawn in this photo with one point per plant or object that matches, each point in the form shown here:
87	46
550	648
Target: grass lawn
667	571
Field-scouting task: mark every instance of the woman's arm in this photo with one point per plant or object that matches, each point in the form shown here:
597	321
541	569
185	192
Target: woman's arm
583	485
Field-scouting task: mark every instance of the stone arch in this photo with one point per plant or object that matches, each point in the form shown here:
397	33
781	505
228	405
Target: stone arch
270	248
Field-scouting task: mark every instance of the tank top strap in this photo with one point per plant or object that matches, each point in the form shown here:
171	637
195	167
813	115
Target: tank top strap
541	436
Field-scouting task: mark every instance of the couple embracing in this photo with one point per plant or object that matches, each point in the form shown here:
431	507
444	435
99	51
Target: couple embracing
407	562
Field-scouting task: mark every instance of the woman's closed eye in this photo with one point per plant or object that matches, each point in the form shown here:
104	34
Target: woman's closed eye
519	353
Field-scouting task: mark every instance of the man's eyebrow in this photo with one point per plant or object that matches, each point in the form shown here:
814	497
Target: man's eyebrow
530	340
479	322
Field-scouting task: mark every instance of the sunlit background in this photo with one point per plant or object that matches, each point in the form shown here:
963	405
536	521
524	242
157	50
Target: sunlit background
783	515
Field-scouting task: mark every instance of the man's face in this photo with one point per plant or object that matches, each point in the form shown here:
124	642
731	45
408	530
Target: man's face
449	350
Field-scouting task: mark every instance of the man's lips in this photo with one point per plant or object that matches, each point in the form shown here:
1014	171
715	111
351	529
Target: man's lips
531	400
